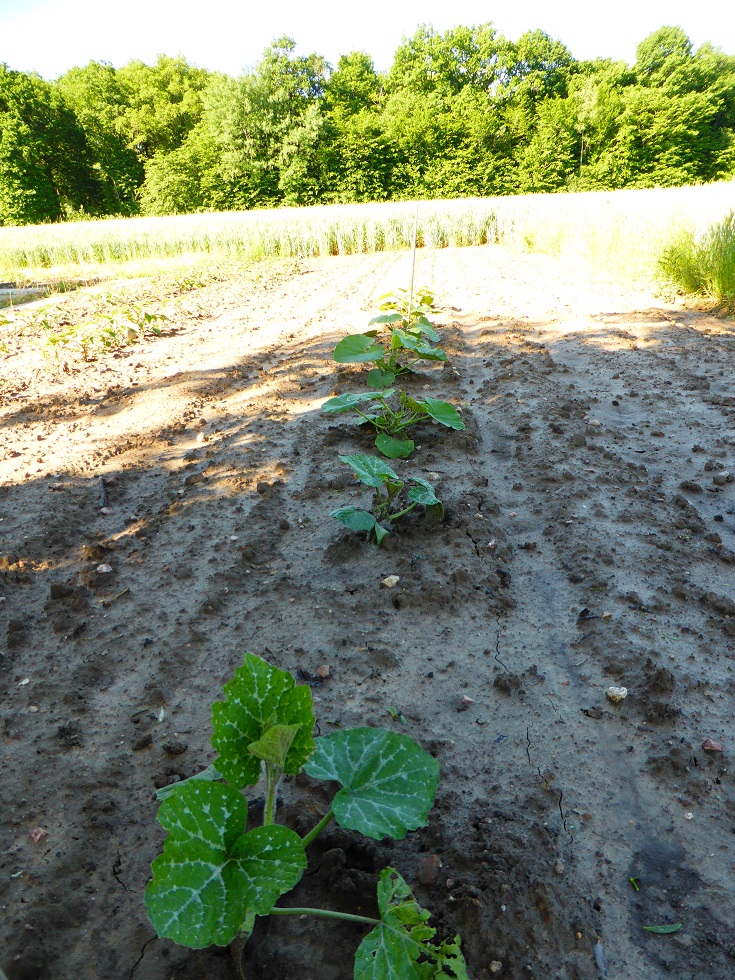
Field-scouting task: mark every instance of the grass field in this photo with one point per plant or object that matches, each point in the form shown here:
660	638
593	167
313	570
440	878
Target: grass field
623	232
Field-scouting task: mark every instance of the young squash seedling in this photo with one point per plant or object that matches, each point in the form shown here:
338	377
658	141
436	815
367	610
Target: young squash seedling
390	492
215	877
373	407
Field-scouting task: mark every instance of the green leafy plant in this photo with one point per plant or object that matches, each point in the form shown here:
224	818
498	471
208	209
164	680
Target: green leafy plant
390	493
409	339
106	331
412	308
215	876
390	422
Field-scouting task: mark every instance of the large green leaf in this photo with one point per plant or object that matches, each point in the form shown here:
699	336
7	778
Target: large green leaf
444	412
388	781
354	518
369	469
394	448
358	348
392	950
348	401
212	873
259	697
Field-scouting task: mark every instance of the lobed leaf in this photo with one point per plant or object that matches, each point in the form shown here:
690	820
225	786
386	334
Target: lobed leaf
260	697
393	949
444	413
358	348
212	874
388	781
377	378
369	469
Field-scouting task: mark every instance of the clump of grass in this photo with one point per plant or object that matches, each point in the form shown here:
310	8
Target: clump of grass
704	266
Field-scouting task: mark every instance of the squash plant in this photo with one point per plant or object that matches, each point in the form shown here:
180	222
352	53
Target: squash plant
390	493
409	340
215	877
374	408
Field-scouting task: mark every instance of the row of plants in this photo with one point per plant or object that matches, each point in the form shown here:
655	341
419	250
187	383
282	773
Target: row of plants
215	876
395	345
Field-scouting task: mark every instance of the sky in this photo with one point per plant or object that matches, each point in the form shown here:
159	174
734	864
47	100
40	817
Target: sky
51	36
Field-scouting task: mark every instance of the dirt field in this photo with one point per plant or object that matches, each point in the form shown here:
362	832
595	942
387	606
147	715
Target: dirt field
589	541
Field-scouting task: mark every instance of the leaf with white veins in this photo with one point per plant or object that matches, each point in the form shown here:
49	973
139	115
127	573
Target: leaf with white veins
259	697
388	781
212	873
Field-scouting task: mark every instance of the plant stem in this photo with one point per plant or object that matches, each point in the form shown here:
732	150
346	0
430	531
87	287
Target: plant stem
318	829
393	517
326	914
272	780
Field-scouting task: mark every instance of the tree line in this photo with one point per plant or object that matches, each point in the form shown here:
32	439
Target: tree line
458	114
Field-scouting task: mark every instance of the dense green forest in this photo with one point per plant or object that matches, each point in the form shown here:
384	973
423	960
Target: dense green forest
463	113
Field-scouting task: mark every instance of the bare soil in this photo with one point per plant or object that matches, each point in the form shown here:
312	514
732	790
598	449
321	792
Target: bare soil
589	542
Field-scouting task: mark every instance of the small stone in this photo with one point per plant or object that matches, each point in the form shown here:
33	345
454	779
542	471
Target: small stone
496	966
689	816
709	745
720	479
37	835
607	615
427	870
391	581
173	748
559	867
143	742
617	694
323	671
465	703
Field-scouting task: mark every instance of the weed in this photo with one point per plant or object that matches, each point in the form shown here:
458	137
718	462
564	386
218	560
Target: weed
704	266
215	877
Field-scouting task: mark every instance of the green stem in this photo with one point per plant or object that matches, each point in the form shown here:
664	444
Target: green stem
272	781
326	914
394	517
318	829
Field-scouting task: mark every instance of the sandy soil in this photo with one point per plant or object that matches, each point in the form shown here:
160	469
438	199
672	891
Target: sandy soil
589	541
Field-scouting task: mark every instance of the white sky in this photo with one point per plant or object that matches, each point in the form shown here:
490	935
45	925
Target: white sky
51	36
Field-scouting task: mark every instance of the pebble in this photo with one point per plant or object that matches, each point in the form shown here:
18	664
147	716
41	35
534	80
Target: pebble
617	694
720	479
559	867
391	581
709	745
427	870
323	671
496	966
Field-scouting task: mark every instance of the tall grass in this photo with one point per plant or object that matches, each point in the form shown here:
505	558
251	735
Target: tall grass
704	265
623	232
